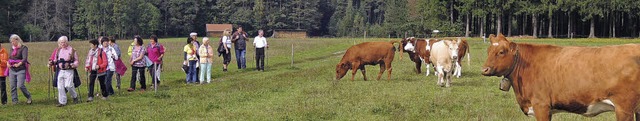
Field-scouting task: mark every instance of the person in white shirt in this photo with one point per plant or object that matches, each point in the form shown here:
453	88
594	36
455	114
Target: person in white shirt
226	41
111	66
260	43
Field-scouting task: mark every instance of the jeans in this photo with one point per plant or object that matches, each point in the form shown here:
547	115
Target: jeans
135	72
3	89
109	82
260	58
153	71
192	75
17	79
240	59
65	82
205	71
101	82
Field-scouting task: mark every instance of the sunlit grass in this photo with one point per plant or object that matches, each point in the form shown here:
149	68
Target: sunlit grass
302	91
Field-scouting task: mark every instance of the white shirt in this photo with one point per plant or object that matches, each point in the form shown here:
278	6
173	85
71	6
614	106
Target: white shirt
111	55
260	42
227	41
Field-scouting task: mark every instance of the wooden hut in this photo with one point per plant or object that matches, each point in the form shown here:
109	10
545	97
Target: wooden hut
215	30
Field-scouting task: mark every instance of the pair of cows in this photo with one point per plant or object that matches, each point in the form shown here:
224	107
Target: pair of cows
443	54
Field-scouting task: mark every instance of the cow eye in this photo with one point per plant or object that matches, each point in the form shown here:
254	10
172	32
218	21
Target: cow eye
501	52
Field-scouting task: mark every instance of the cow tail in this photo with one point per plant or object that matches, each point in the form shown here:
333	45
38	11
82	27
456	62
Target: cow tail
399	47
468	56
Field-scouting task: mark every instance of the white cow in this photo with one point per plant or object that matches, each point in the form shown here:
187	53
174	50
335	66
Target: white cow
443	54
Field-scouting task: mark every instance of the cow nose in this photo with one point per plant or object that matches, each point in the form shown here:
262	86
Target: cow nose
455	57
486	70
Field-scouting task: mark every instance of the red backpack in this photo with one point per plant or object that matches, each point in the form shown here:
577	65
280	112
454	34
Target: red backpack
102	61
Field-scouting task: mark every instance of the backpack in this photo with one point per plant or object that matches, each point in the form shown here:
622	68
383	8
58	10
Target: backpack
221	49
102	61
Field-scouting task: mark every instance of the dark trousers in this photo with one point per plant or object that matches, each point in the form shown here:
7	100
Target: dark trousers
109	82
3	89
260	58
153	71
101	81
135	71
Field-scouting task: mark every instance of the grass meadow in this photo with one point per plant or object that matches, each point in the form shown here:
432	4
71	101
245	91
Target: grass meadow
305	90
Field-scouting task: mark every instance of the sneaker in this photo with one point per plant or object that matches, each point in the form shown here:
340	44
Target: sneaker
29	101
60	105
118	87
105	98
141	90
89	99
131	89
15	103
75	100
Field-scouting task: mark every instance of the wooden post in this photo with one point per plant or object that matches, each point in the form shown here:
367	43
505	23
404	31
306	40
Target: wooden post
292	52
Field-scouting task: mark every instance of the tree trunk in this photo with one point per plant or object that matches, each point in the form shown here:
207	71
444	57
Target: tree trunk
592	28
466	31
482	27
524	25
534	23
569	26
451	8
499	24
509	22
550	34
613	27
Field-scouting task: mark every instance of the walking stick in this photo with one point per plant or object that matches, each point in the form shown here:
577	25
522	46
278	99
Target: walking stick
155	75
49	86
87	72
266	60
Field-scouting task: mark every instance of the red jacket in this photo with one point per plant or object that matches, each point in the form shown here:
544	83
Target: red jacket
4	57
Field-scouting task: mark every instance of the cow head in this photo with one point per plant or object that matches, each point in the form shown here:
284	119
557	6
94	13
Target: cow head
408	44
501	55
453	47
341	69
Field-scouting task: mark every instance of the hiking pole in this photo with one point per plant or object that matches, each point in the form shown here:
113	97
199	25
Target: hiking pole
266	60
155	75
49	86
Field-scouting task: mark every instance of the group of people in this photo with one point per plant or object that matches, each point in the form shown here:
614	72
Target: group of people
198	58
103	61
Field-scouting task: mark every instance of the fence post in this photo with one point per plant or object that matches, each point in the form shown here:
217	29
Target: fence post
292	54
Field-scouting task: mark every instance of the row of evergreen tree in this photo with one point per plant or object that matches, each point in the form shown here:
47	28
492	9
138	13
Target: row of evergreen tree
82	19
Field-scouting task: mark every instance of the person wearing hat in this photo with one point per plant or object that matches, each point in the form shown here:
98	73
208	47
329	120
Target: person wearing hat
240	39
196	44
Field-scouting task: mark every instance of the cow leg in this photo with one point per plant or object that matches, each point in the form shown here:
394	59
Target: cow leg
418	65
458	70
440	75
389	69
447	76
364	72
542	112
428	71
381	71
354	70
625	107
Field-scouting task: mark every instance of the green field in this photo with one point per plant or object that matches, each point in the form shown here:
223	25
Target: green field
304	91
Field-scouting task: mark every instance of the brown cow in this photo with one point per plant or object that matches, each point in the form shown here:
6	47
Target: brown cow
547	79
368	53
418	50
